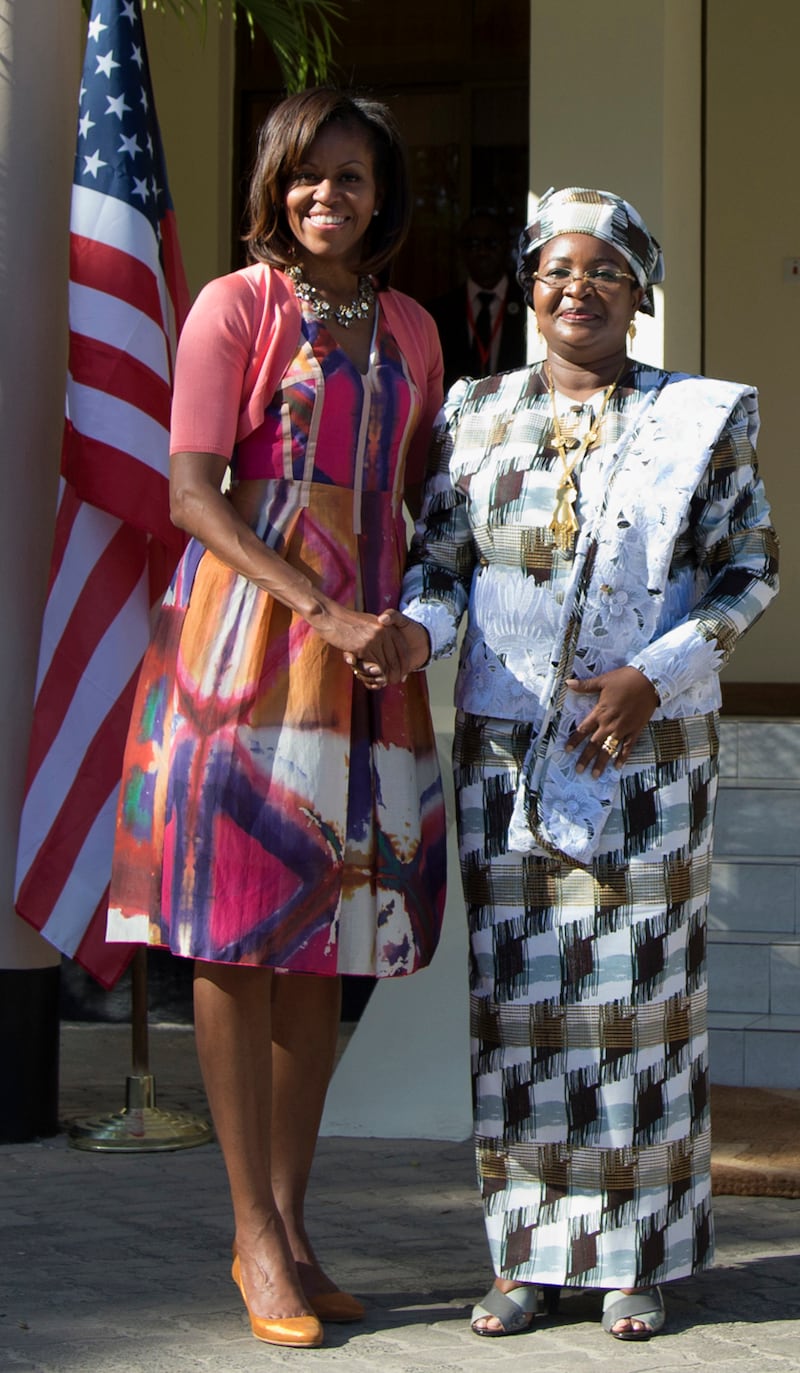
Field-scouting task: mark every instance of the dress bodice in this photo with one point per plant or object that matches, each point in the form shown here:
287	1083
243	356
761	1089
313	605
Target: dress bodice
330	423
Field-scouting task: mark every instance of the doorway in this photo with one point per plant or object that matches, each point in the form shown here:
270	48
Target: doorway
459	90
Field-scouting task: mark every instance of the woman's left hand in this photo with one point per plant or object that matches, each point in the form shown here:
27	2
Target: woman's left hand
625	702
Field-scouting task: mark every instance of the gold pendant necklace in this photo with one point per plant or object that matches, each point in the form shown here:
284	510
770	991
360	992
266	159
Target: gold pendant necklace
564	525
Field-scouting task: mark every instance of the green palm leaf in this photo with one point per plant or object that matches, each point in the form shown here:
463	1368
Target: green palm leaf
300	32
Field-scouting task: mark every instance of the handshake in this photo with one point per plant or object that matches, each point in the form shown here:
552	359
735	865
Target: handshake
399	646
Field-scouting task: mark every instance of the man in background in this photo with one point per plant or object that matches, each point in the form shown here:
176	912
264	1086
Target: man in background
481	323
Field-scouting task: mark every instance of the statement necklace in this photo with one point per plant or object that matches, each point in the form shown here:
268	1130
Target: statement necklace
356	309
564	525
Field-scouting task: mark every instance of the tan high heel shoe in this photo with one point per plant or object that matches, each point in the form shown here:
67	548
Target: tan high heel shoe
300	1332
337	1307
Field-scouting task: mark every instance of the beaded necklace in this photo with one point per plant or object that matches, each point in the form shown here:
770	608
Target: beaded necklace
356	309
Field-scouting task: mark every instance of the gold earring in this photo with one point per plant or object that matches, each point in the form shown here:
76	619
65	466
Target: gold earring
631	331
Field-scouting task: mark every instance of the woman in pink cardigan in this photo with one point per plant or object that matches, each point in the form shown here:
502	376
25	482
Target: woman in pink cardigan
280	823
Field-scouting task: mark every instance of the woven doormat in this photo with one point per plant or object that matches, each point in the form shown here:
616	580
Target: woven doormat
755	1142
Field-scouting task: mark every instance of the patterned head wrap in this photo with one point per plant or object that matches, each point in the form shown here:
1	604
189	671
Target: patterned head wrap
576	210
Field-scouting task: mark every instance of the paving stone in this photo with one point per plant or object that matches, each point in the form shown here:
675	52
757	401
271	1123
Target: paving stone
120	1264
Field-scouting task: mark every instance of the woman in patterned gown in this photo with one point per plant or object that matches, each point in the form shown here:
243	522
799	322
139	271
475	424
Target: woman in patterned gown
604	527
279	823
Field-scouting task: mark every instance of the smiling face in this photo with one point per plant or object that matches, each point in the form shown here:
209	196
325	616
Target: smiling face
331	196
578	322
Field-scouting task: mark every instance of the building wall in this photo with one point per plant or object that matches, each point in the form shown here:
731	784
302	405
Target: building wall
616	103
754	919
191	65
752	312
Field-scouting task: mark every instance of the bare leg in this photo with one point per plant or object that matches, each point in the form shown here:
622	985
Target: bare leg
233	1028
305	1023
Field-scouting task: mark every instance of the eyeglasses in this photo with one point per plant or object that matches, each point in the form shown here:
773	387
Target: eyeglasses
602	279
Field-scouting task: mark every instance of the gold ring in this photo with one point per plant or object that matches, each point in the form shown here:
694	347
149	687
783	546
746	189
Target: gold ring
610	745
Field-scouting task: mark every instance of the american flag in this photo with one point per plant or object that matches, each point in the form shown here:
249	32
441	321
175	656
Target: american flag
114	547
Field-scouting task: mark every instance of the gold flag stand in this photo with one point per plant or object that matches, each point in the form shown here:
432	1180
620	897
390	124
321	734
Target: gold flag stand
140	1127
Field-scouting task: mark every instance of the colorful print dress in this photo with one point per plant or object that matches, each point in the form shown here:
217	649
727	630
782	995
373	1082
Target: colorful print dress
588	978
273	811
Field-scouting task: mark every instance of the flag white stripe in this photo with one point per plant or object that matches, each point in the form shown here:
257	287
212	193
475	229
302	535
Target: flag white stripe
116	224
119	424
91	533
88	879
115	659
121	326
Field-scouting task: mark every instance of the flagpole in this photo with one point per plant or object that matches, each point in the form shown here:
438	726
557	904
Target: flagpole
140	1055
140	1126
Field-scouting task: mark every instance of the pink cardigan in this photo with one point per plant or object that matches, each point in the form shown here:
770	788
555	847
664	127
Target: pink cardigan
241	334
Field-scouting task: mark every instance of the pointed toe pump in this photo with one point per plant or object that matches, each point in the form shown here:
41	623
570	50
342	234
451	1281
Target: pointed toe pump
299	1332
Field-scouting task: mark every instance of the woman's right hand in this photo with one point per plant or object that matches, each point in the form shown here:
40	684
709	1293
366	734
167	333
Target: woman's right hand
371	644
198	506
414	648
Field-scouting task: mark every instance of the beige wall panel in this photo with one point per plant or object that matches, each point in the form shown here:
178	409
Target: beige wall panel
597	97
616	103
191	65
752	313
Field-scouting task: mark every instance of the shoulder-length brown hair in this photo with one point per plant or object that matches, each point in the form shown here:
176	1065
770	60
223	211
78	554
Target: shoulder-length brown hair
283	144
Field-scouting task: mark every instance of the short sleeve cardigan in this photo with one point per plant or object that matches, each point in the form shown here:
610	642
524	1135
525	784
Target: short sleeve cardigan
241	334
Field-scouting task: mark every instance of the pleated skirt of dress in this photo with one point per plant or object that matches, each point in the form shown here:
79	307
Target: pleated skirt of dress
588	1017
273	811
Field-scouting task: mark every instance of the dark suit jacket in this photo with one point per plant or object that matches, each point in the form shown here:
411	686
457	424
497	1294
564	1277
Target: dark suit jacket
450	314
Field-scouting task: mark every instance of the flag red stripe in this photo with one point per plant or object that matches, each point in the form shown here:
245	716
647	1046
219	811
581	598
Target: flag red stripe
66	515
121	485
97	779
173	267
105	591
115	273
103	367
105	962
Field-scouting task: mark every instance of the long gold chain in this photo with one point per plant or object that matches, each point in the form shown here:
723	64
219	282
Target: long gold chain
564	525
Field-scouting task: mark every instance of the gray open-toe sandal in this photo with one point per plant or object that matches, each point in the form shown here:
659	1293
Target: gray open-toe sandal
515	1310
646	1306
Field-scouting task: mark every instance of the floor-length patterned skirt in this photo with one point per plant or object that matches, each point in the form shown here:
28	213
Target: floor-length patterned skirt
588	1015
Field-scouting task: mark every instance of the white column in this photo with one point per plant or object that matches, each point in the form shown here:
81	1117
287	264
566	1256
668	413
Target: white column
405	1073
40	60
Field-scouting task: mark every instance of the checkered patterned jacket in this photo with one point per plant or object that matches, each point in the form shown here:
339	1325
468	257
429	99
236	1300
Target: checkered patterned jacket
675	558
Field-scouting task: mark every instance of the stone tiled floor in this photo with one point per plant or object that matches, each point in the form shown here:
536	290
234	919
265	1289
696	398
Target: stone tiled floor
119	1264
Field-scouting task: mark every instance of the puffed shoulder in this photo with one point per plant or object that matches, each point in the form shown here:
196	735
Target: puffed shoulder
239	338
242	297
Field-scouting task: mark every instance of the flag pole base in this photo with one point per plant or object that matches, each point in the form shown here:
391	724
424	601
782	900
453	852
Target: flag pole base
140	1127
